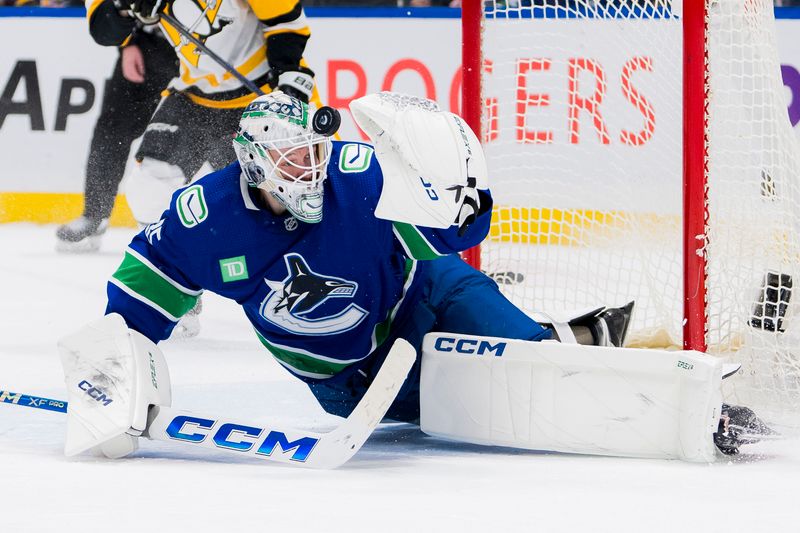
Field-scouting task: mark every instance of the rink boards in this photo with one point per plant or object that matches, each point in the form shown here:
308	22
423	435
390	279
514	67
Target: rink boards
52	77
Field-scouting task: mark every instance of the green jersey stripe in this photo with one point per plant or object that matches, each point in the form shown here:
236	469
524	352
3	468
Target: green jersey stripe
168	279
414	242
144	300
153	288
305	363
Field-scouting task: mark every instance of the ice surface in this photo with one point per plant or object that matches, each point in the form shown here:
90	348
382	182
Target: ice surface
401	480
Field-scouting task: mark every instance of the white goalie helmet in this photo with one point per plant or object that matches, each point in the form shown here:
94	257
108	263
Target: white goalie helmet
283	146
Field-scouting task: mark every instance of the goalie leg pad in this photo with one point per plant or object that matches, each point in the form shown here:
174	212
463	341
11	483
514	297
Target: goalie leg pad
570	398
113	375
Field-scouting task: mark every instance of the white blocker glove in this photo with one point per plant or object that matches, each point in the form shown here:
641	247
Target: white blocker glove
432	162
113	375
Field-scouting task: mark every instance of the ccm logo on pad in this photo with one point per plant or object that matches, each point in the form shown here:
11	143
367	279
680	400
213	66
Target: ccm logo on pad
469	346
94	393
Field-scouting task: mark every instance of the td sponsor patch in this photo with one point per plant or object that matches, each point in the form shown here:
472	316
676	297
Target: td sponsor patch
233	268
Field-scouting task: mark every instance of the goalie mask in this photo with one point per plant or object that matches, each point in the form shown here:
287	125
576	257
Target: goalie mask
283	146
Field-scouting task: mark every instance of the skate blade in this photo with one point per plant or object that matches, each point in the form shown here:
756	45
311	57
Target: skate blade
84	246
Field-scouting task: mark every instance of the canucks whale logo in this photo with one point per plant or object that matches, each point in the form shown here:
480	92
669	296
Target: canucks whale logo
290	301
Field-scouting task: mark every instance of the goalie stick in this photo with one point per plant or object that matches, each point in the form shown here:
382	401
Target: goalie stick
289	445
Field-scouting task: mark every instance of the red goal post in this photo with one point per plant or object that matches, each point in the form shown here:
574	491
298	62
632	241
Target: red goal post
471	100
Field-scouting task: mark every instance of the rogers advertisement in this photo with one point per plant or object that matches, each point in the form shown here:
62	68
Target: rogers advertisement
52	76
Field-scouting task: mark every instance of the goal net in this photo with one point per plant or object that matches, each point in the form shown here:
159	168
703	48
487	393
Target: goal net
620	133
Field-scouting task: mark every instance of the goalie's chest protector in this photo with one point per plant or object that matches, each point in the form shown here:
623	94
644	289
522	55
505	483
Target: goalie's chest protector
320	296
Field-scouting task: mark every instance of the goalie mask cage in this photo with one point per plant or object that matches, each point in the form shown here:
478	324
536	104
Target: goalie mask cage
641	150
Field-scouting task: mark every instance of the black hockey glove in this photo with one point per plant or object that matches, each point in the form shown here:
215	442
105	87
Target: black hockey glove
297	83
739	425
470	204
147	10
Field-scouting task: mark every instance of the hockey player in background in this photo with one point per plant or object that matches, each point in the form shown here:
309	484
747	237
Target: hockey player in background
329	250
145	66
196	120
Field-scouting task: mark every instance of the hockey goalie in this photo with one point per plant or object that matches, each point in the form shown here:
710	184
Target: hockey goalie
335	250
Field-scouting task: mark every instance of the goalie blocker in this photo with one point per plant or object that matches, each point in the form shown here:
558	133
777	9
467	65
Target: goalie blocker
113	375
571	398
119	390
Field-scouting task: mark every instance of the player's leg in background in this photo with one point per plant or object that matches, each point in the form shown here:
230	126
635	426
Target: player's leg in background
150	187
161	165
105	165
126	108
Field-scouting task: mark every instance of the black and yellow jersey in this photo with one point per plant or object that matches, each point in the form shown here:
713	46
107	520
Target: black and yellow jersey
252	35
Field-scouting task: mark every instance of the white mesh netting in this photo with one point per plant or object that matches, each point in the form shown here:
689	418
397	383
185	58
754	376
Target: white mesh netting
583	132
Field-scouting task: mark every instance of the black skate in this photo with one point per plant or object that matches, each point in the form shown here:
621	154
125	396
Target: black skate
609	326
739	425
81	235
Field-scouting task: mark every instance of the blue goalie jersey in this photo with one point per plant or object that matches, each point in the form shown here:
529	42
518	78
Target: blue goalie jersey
320	297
